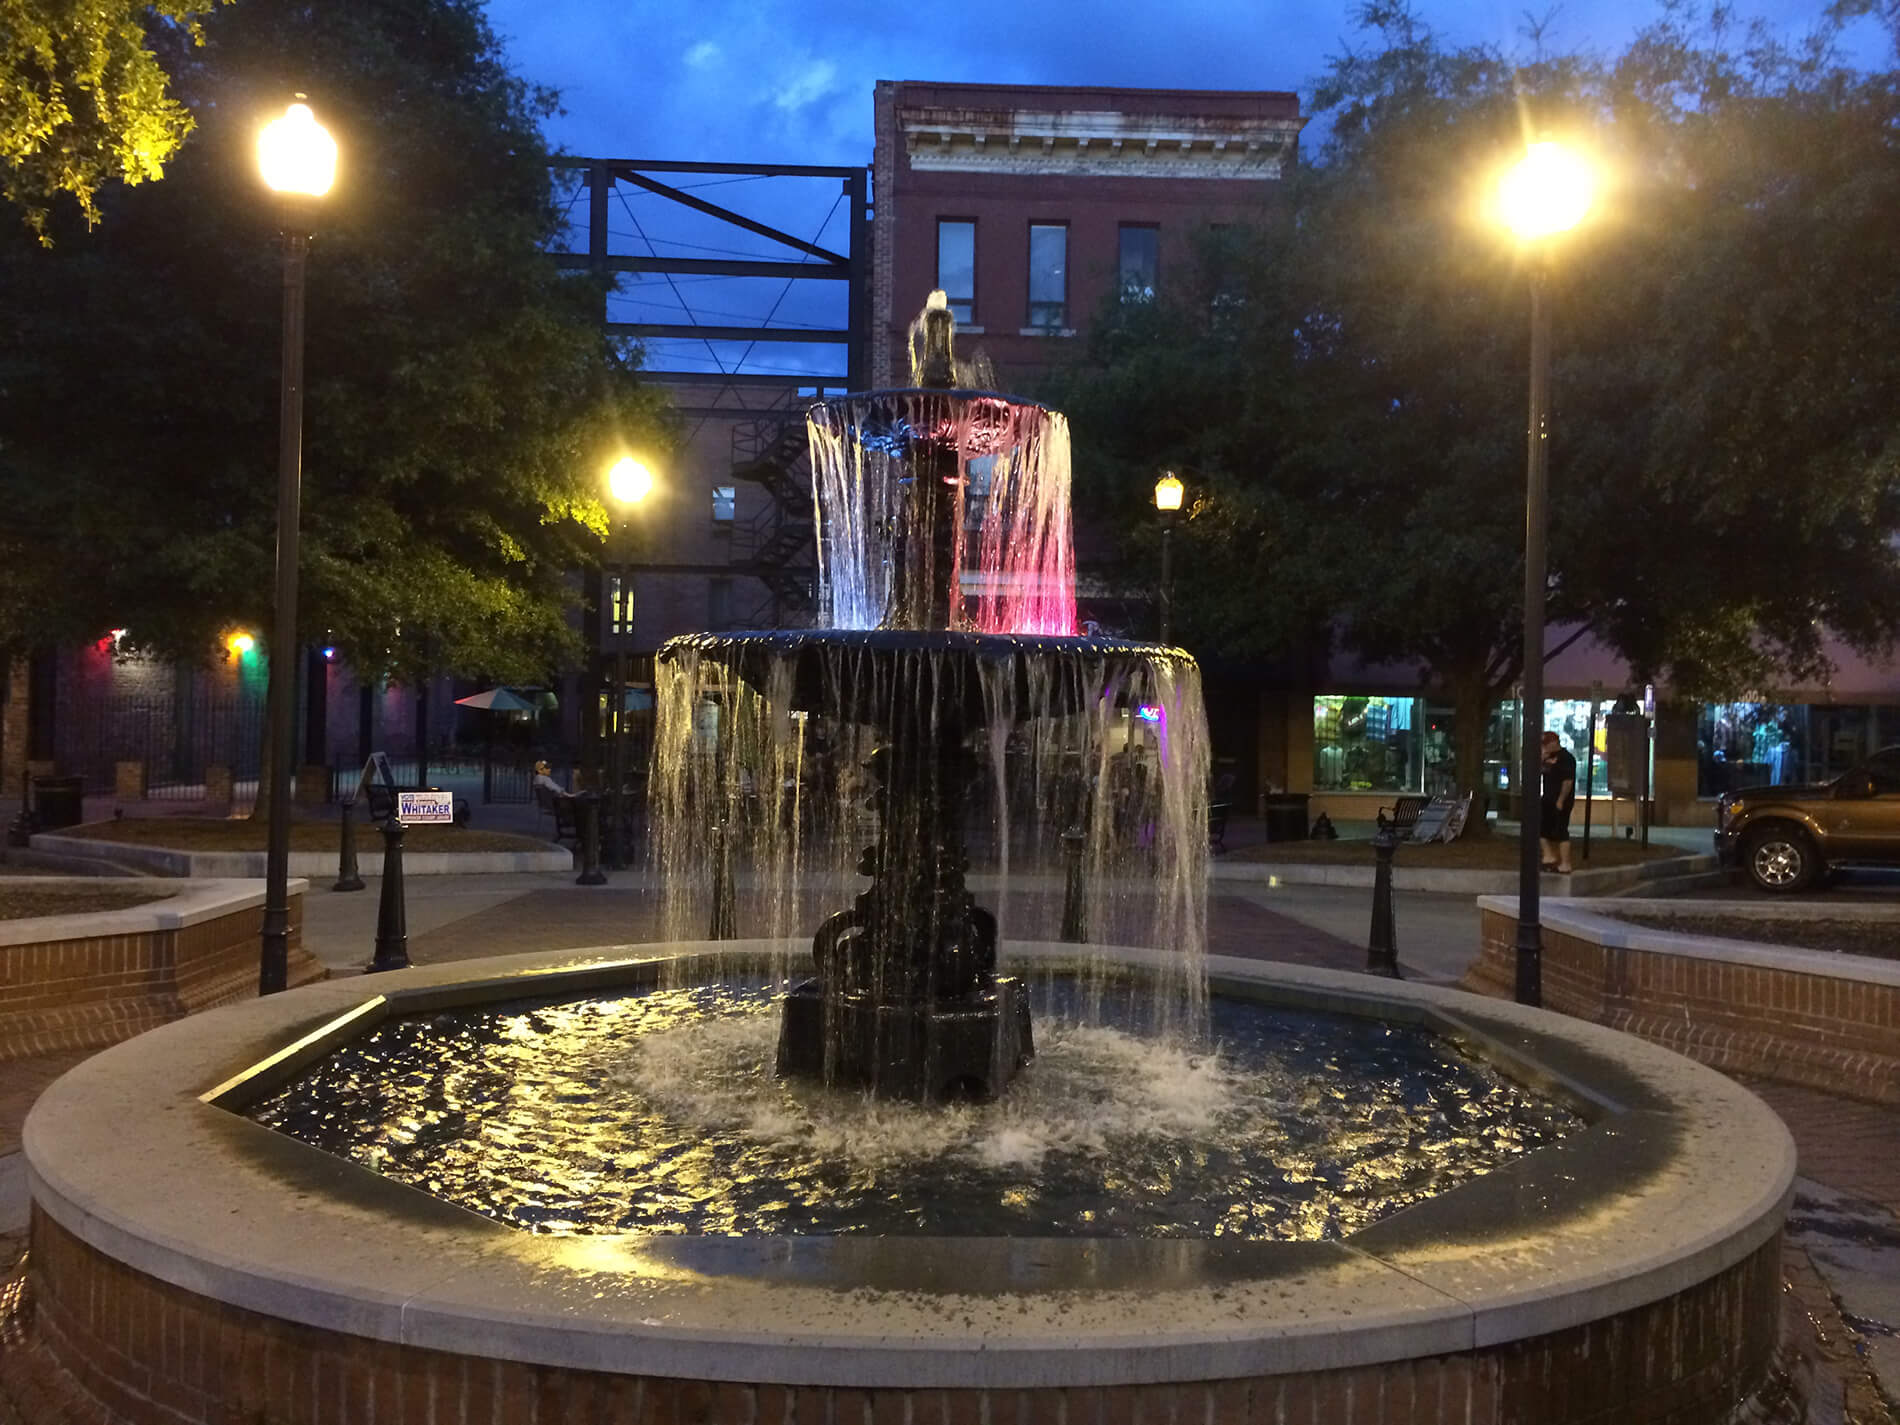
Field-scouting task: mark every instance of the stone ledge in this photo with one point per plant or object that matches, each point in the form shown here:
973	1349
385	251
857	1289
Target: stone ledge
1609	931
1827	1021
1463	883
376	1260
315	865
87	981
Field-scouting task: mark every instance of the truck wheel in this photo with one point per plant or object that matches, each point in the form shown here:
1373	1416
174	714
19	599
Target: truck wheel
1779	858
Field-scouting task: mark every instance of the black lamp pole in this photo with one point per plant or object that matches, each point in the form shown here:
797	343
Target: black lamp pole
274	963
1530	937
1167	574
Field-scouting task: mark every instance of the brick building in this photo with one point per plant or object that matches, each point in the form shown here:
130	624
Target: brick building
1030	207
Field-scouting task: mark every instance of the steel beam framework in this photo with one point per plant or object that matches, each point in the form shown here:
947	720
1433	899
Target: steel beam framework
811	263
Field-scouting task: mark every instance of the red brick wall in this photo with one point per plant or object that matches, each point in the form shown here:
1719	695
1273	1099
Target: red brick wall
1824	1031
91	992
134	1350
909	203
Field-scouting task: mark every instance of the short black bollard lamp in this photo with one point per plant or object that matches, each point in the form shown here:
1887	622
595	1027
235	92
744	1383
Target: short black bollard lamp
1382	952
1075	908
588	805
392	918
348	877
725	920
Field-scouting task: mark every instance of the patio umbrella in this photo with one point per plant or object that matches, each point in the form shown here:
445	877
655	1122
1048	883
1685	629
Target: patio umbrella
496	700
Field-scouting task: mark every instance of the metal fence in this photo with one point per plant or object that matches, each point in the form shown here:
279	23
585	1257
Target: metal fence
491	780
176	739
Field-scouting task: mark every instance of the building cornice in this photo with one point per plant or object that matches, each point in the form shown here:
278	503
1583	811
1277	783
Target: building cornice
1096	143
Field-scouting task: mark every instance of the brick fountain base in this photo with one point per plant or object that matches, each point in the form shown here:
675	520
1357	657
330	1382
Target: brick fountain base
189	1265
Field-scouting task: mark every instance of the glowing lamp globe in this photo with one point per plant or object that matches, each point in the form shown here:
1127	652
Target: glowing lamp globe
1546	192
629	481
1168	492
297	154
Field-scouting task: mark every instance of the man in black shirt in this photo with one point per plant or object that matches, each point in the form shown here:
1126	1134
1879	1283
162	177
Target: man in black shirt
1560	795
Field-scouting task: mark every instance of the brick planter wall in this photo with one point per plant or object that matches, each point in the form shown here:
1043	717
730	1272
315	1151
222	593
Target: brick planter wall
129	1349
85	991
1781	1021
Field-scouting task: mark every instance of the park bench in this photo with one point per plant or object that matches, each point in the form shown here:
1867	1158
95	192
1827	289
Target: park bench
1402	815
1417	819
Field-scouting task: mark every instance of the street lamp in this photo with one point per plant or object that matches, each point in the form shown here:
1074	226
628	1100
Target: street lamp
1545	194
1168	492
298	160
629	482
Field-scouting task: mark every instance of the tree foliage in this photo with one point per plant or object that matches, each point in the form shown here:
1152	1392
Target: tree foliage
84	100
1724	481
461	399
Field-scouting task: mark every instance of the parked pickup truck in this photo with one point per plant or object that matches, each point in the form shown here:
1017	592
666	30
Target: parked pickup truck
1787	838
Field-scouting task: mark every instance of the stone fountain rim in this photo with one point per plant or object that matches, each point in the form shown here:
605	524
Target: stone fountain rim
1701	1171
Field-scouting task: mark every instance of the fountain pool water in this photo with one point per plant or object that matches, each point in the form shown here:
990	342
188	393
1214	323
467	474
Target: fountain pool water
660	1112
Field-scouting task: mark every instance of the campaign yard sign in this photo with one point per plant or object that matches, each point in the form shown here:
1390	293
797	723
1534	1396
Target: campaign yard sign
413	807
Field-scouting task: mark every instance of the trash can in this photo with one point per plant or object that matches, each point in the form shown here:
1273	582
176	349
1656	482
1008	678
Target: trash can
1285	816
59	801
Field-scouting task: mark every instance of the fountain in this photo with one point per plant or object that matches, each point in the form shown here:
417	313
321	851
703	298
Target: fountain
947	567
830	1171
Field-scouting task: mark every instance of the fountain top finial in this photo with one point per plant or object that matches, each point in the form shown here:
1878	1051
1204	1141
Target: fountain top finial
933	361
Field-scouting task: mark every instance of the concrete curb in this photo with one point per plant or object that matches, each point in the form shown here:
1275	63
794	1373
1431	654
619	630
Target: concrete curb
317	865
1608	881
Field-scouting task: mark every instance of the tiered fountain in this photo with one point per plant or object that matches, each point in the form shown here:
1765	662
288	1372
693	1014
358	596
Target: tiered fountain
947	569
574	1185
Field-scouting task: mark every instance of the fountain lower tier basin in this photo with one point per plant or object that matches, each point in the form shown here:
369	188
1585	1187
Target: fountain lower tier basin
967	679
182	1254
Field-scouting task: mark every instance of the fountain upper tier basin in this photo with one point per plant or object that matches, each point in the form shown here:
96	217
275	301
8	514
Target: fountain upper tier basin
836	671
1668	1206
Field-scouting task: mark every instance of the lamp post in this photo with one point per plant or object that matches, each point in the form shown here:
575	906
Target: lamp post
629	482
1546	193
1168	492
298	160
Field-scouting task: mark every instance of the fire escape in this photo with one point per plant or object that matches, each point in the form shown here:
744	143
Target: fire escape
776	546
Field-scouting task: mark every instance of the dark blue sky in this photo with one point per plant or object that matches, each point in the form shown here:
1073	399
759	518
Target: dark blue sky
788	81
784	81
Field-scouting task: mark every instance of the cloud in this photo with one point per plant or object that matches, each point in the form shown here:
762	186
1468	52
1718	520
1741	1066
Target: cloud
814	81
703	54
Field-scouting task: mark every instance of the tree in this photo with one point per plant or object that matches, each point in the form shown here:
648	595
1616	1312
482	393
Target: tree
1198	380
1723	471
461	403
83	99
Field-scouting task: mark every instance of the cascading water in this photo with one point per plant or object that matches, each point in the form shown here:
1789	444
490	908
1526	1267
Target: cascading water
949	721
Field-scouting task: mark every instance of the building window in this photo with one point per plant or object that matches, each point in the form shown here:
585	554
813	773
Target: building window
1140	261
1771	744
1382	745
1049	276
718	604
956	266
725	503
620	605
